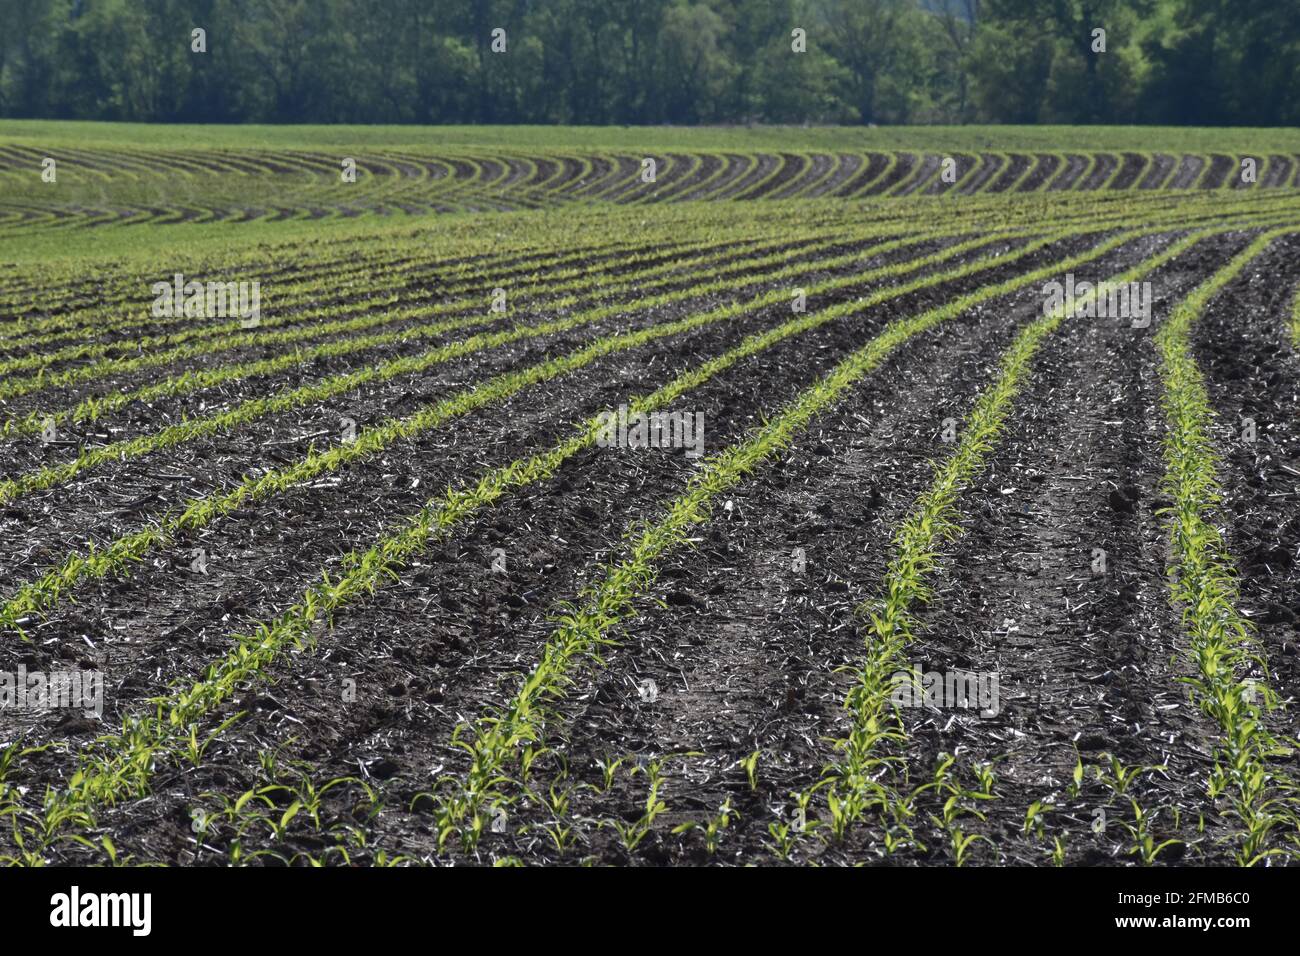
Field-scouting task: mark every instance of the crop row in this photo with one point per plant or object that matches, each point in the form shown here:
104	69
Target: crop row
1231	686
356	251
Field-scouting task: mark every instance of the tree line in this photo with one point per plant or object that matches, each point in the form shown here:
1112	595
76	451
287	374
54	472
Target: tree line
1166	62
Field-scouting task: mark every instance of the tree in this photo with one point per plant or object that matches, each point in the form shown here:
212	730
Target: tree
878	42
647	61
694	68
958	22
1072	24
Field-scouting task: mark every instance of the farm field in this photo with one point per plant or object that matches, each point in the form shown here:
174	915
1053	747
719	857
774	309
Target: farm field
935	568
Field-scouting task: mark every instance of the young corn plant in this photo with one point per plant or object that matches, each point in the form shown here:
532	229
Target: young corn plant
1035	819
608	771
961	802
634	832
1058	852
1118	777
784	837
712	827
557	802
1144	842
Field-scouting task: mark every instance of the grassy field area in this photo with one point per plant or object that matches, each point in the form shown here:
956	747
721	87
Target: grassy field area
508	506
931	138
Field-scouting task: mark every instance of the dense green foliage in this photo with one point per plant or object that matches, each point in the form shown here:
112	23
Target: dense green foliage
1208	62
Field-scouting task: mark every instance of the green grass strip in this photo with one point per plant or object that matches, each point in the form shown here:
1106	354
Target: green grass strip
1295	319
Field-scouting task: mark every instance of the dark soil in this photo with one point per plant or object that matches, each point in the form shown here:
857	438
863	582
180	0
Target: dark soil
1162	165
876	163
990	166
1188	172
847	166
1130	169
902	169
1221	167
1102	170
1091	662
1046	165
1016	168
964	163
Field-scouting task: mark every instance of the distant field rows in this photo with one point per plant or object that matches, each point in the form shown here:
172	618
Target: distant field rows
99	185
